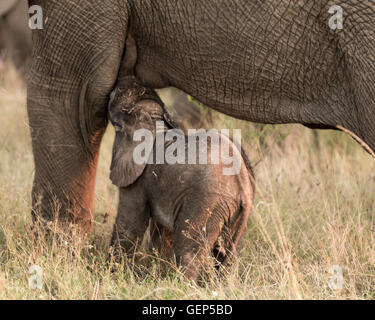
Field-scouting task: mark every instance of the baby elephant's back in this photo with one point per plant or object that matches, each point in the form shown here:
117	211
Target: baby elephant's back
233	174
211	165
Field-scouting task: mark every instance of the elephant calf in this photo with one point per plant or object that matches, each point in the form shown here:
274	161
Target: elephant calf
205	210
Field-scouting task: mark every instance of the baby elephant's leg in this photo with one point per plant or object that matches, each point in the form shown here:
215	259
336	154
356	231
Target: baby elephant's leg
161	240
130	226
195	234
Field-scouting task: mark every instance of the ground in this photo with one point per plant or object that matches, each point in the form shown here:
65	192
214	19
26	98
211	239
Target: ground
313	217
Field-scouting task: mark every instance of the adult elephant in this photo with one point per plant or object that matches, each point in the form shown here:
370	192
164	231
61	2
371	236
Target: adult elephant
15	35
264	61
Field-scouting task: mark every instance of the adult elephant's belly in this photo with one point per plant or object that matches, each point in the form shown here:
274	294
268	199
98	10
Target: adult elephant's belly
241	58
244	91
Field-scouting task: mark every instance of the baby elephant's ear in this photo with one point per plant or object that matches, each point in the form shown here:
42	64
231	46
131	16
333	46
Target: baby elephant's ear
132	149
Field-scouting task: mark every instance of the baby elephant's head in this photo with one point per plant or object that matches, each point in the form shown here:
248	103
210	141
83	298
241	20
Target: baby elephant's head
133	111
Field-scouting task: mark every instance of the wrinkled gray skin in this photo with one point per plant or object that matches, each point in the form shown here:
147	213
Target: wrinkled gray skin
15	35
264	61
205	210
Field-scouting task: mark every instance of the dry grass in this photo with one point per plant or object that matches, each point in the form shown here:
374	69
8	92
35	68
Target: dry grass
313	210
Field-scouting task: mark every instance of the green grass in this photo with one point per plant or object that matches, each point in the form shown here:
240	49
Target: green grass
313	210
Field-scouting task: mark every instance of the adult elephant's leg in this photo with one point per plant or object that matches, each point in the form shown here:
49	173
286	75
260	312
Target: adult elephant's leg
75	64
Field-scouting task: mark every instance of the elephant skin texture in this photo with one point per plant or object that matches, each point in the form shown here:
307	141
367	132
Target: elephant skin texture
262	61
205	210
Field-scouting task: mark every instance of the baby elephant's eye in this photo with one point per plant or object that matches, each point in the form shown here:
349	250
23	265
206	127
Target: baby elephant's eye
118	126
